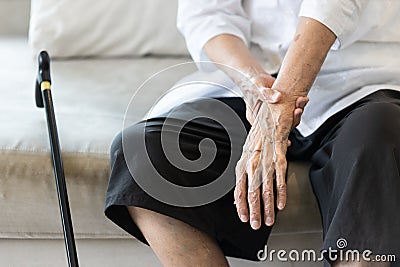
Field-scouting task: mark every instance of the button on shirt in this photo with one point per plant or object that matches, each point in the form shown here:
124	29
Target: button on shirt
364	58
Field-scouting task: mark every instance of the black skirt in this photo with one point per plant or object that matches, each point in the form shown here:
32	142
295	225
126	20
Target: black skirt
355	159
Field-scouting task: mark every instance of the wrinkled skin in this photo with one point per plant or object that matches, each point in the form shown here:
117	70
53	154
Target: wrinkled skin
256	88
263	162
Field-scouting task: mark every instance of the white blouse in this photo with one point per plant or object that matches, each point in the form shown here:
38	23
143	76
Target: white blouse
364	58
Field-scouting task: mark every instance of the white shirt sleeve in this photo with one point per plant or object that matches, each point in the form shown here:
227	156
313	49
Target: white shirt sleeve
349	20
201	20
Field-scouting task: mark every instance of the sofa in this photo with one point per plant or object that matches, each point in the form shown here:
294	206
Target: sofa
92	87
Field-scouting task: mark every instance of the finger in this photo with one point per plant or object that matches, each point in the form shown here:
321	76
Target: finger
281	191
271	95
280	170
268	198
241	191
254	208
301	102
254	171
268	80
267	183
297	117
289	143
253	194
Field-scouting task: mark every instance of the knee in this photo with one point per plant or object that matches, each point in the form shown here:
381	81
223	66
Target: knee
126	140
374	124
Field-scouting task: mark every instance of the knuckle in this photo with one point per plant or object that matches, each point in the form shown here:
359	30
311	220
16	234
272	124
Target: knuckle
281	187
238	192
268	210
281	161
252	195
253	198
267	194
268	213
254	214
242	211
281	191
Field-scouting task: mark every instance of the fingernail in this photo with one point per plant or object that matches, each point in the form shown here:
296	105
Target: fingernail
243	218
281	205
269	221
255	224
275	96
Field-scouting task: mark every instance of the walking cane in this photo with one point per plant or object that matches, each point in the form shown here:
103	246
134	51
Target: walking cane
44	99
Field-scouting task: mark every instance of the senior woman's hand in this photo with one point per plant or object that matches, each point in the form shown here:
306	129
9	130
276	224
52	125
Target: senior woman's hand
261	160
262	165
256	88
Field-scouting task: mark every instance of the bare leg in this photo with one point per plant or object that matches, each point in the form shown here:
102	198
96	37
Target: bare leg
360	263
176	243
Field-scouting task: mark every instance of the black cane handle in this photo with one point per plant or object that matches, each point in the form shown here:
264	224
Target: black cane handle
43	79
44	67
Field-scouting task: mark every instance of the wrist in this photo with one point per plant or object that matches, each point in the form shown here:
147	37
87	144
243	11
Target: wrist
292	90
245	74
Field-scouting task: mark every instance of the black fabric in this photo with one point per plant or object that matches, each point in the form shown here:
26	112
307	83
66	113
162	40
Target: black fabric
355	158
355	174
219	218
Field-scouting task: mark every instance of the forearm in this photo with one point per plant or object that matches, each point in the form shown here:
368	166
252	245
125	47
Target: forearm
304	58
229	50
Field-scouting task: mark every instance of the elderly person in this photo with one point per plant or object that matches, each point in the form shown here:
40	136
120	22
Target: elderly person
342	56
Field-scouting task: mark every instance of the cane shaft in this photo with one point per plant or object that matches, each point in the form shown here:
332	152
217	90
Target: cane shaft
59	176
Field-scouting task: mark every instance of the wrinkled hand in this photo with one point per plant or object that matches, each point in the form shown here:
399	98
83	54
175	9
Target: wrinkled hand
263	162
256	88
